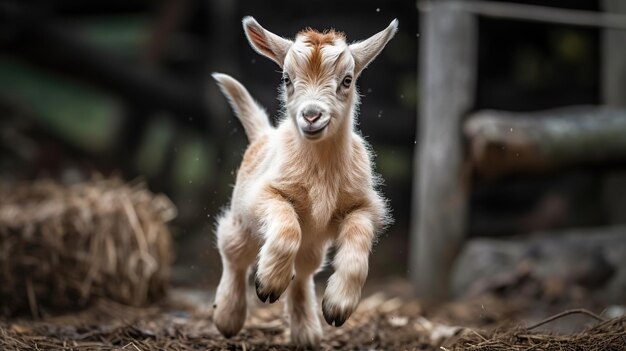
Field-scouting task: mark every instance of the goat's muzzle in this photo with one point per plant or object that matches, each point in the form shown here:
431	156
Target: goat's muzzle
313	120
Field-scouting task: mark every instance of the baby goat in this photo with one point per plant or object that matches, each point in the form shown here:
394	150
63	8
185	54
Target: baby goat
301	186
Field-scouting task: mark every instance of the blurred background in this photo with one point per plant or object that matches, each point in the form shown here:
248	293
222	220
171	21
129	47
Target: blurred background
123	87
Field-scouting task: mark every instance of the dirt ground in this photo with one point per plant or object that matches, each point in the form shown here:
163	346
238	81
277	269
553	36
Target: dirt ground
382	322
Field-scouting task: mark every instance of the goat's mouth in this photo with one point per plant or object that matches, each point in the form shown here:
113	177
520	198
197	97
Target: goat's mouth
313	131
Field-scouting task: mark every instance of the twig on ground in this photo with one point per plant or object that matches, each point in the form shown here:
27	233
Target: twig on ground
566	313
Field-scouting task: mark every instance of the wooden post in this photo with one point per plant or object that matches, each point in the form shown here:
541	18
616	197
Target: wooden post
614	94
447	88
614	58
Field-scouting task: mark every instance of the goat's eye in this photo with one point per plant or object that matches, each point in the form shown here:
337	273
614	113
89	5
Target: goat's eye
286	80
347	81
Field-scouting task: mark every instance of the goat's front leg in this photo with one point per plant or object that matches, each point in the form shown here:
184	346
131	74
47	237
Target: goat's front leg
343	291
282	234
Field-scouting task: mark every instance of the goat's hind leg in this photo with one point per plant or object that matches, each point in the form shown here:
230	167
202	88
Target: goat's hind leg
238	250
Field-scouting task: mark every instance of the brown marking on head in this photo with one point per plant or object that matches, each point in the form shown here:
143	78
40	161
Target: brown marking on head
316	41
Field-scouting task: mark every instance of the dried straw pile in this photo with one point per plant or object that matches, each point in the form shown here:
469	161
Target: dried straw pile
606	336
62	246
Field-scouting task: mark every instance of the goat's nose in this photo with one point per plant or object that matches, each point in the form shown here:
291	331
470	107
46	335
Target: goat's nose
312	114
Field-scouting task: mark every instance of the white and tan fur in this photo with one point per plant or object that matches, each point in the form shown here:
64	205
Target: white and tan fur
302	186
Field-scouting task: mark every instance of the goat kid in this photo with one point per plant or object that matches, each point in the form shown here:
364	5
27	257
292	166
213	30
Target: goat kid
302	185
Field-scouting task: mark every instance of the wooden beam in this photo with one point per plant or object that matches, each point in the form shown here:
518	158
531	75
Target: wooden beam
447	86
506	142
535	13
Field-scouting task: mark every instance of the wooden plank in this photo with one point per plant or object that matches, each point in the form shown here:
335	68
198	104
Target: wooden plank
613	85
447	86
536	13
505	142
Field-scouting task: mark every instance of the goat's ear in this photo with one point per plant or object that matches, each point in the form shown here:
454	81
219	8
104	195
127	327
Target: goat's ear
365	51
265	42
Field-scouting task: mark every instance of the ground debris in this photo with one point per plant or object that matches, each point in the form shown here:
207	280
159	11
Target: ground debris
605	336
380	323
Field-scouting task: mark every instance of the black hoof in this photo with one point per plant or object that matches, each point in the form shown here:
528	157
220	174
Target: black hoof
274	297
333	316
264	296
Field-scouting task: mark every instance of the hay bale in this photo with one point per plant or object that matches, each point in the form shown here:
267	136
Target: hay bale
63	246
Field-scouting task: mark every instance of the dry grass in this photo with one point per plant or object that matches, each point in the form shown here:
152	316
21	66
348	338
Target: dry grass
606	336
61	246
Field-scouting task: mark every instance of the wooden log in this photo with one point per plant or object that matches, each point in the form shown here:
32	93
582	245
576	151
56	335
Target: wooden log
448	78
593	259
505	142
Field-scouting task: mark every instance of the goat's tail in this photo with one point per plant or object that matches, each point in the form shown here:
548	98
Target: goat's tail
253	117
